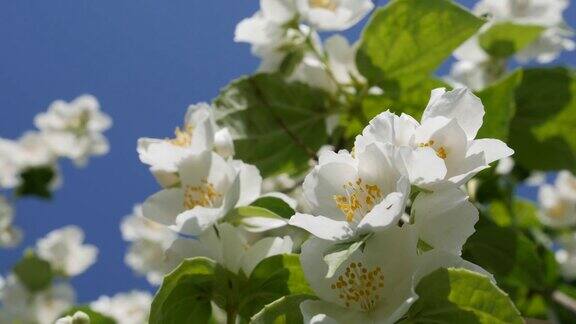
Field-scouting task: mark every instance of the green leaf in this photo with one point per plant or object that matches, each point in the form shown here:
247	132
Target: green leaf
34	273
277	126
275	205
285	310
508	254
500	105
409	39
542	132
95	317
237	216
273	278
339	253
185	294
524	214
460	296
506	39
36	182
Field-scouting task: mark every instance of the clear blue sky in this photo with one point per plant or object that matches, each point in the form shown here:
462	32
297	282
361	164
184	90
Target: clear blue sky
146	61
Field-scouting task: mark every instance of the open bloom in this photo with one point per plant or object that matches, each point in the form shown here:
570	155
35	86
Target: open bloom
77	318
373	286
566	255
209	188
125	308
148	241
64	248
74	129
21	306
353	196
557	205
333	15
443	147
566	185
230	247
198	134
545	13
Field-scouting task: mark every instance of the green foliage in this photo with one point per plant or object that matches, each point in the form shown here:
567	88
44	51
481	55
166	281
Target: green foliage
523	214
95	317
500	104
185	294
278	126
34	273
273	278
506	39
460	296
285	310
275	205
36	182
511	256
542	131
409	39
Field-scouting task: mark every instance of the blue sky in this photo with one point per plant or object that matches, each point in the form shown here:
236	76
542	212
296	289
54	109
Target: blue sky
146	61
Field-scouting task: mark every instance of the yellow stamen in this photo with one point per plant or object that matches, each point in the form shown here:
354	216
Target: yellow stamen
183	138
360	286
204	195
324	4
359	197
441	151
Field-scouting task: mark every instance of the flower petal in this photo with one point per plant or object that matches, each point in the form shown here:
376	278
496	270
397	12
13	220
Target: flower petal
164	206
322	227
493	149
263	249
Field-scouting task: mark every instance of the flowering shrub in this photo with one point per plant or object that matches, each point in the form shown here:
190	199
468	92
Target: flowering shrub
340	183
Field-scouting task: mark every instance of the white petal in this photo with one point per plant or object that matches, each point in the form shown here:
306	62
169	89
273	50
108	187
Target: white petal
436	259
460	104
445	218
223	143
321	312
493	149
422	166
163	207
279	11
322	227
262	224
386	213
196	220
263	249
234	246
250	184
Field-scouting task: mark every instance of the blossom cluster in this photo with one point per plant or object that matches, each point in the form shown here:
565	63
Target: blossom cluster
72	130
476	69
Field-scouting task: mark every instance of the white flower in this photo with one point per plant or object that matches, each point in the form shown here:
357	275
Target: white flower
148	240
10	236
473	67
78	318
229	247
443	147
386	272
20	306
444	219
125	308
10	166
209	188
566	256
65	251
566	185
353	196
555	210
333	15
74	129
198	134
545	13
34	150
536	178
505	166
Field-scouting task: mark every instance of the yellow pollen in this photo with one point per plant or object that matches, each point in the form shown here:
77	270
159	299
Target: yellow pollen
359	197
324	4
204	195
182	138
441	151
558	211
360	286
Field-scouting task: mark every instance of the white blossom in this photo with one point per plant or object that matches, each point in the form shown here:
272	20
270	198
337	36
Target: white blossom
443	147
351	196
66	252
10	166
10	235
148	241
230	247
74	129
387	270
566	255
125	308
199	133
209	188
555	210
21	306
77	318
333	15
545	13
